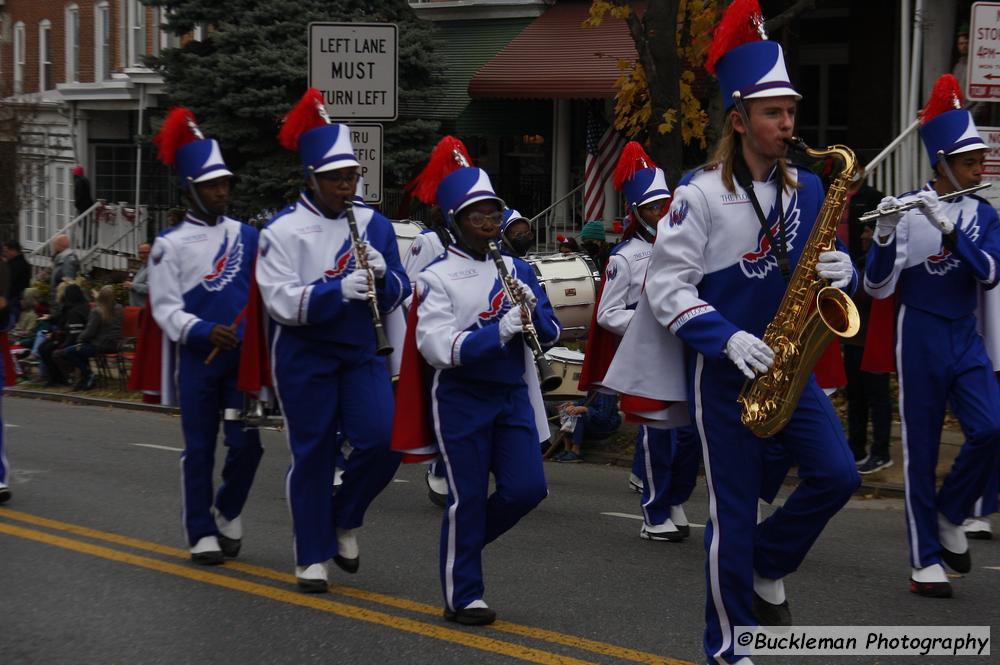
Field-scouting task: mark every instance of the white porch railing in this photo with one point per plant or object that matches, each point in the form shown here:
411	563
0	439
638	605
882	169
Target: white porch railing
897	169
560	218
104	236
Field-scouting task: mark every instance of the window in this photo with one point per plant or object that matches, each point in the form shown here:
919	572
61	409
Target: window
72	44
167	38
102	42
64	209
18	58
45	56
114	175
137	33
35	198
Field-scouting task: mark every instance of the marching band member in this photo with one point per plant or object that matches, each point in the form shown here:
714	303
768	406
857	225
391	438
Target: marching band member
934	258
481	382
668	480
715	280
515	233
327	375
199	278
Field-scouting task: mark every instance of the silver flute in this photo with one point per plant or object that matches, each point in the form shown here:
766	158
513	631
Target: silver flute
910	205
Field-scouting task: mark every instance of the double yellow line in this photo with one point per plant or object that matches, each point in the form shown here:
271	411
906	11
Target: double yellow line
474	640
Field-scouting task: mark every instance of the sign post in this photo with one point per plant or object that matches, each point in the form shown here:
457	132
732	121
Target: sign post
991	168
984	53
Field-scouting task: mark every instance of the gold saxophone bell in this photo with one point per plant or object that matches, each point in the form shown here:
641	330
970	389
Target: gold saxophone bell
810	313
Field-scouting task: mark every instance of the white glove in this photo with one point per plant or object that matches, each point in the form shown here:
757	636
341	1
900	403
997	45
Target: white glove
835	266
529	295
511	324
886	224
749	353
355	286
375	261
930	206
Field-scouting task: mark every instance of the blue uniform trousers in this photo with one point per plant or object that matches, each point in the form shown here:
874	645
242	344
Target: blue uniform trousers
943	361
205	391
670	467
734	471
323	388
482	428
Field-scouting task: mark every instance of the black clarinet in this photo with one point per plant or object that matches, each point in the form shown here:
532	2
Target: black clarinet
548	379
382	345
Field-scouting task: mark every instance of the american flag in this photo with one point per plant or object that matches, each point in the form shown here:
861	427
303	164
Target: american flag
603	146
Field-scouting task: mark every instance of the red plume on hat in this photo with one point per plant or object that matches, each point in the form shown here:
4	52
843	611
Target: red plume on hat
946	96
449	155
742	22
307	114
178	130
632	159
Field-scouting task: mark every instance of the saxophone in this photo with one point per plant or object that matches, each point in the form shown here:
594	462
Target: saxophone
810	313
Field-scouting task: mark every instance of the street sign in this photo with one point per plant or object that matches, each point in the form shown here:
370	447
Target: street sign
984	53
991	168
367	142
355	66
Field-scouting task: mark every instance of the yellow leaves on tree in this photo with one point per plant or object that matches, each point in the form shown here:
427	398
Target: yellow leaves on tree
695	21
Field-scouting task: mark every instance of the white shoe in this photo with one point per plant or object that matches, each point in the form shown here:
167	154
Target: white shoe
338	477
666	531
312	578
773	591
4	493
436	484
680	520
229	528
977	528
635	483
207	551
347	551
954	545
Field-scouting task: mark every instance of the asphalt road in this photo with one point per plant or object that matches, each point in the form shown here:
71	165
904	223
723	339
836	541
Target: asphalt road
93	568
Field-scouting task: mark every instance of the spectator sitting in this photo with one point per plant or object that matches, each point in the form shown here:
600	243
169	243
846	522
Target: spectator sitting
103	334
27	322
595	418
567	245
66	327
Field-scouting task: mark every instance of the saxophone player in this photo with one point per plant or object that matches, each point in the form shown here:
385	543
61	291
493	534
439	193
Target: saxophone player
714	282
936	258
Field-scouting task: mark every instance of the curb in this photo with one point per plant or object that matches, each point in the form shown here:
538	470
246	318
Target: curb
69	398
871	489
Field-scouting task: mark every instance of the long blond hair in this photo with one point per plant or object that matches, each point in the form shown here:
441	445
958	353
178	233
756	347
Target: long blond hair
105	302
725	151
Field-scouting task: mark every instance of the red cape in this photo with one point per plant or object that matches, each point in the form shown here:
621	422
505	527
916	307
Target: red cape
600	350
255	356
412	433
145	372
829	369
879	356
9	372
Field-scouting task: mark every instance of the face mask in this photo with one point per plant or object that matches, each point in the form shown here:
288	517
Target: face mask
521	244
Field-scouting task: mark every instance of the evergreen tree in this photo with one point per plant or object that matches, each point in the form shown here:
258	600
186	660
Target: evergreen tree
251	67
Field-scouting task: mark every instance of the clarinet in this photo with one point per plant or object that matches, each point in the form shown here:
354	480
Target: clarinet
382	345
548	379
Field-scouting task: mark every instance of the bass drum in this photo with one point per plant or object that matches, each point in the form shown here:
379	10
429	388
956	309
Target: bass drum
571	282
568	364
406	232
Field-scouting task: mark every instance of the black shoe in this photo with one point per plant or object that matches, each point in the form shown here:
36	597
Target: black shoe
979	535
960	563
312	586
347	565
476	616
4	494
875	463
230	546
683	529
769	614
931	589
210	558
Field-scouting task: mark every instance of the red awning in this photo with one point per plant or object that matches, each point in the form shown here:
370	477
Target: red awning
557	58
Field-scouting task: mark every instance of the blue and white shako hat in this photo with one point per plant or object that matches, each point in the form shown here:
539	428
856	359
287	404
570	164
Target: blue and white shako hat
451	182
947	127
509	217
638	178
742	58
322	145
180	143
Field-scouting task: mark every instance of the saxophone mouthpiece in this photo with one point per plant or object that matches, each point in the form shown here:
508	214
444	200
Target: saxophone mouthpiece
796	143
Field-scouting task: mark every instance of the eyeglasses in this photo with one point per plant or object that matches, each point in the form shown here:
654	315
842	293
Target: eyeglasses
339	178
478	219
655	206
